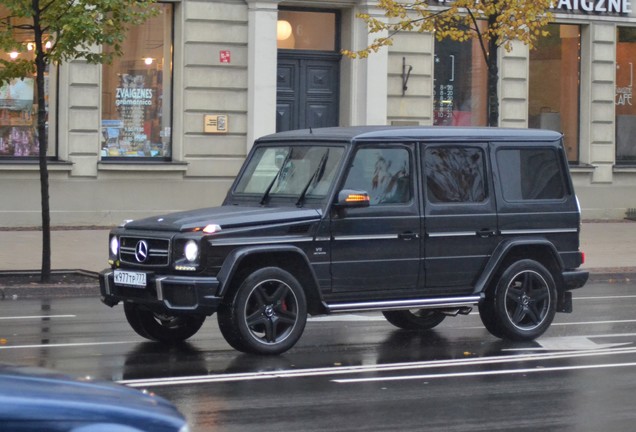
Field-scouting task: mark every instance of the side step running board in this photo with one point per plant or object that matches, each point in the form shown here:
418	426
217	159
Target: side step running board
430	303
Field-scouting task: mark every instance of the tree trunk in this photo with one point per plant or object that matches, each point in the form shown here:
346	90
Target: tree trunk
40	68
493	78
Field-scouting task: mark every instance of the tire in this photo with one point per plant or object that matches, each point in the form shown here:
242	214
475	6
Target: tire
266	314
416	319
523	303
169	329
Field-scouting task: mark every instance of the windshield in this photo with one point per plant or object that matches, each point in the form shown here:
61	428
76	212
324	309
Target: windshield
297	172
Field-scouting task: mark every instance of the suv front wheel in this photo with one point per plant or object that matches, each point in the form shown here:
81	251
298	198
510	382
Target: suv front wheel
523	303
266	314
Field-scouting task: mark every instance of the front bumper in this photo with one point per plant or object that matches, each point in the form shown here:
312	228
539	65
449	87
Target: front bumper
186	294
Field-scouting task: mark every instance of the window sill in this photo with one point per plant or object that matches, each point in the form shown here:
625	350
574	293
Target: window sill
34	165
625	168
582	168
142	166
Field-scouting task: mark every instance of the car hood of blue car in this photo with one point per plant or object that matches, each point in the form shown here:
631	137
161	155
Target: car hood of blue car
33	394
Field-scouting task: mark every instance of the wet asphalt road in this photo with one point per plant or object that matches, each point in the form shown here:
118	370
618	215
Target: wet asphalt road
357	372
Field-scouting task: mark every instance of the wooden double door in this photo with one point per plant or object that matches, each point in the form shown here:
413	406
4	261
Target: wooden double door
307	93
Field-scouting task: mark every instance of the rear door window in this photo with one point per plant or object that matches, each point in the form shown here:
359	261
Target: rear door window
455	174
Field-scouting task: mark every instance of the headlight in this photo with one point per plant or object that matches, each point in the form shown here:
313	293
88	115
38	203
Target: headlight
191	251
114	246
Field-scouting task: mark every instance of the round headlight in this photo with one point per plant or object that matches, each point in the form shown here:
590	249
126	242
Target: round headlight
191	251
114	245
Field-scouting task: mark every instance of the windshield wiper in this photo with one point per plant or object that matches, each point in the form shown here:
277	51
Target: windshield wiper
315	178
265	197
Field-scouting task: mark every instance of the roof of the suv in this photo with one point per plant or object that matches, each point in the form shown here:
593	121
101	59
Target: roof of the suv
373	133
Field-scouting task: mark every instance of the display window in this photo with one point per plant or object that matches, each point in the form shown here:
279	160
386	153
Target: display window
137	92
624	96
461	86
18	104
554	90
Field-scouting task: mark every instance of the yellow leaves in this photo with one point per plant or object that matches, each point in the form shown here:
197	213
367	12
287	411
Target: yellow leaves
507	20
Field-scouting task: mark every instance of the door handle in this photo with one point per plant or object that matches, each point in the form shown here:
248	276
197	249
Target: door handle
486	232
407	236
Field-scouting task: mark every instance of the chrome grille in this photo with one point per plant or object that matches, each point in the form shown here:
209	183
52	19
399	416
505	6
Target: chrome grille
157	253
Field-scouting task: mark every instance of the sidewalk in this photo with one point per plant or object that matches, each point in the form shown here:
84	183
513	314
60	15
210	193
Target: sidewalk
608	246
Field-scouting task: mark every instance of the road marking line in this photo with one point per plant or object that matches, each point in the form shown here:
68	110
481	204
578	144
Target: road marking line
389	367
66	345
482	373
37	317
605	297
593	322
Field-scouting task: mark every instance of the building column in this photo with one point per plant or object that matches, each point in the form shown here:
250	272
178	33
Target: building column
598	73
365	83
261	68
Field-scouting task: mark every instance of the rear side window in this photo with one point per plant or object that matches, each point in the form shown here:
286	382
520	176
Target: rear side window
530	174
455	174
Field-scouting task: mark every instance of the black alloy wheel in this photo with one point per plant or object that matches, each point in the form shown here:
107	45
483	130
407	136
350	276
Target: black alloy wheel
416	319
170	329
266	314
523	304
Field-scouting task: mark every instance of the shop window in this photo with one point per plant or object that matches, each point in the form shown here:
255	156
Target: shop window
137	93
460	91
307	30
554	85
624	101
18	105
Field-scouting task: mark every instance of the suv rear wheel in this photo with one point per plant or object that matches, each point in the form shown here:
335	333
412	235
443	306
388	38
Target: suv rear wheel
161	327
266	314
523	303
417	319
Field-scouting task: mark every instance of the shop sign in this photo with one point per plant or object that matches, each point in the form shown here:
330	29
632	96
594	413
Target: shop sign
596	6
621	7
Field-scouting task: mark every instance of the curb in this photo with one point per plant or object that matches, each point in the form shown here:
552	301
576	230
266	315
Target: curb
14	291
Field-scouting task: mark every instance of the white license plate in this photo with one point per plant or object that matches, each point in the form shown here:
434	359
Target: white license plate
129	278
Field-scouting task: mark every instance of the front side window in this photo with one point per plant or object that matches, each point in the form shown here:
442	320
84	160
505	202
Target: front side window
624	100
455	175
530	174
554	85
289	172
384	173
18	103
137	93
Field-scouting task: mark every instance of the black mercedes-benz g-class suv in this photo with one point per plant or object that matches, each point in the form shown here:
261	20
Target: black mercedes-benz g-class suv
419	223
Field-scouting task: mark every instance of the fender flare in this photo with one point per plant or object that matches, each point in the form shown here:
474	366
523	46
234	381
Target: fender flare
237	256
502	251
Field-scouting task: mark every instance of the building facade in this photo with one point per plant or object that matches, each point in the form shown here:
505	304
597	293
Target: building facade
167	126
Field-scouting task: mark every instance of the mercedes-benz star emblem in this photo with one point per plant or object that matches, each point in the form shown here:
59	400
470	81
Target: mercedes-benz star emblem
141	251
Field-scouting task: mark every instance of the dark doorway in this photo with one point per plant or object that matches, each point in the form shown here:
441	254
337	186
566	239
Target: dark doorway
307	93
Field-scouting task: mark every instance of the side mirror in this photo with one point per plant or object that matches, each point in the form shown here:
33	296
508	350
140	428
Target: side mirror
348	198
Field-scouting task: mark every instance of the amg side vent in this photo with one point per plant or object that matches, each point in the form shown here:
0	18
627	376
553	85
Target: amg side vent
299	229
